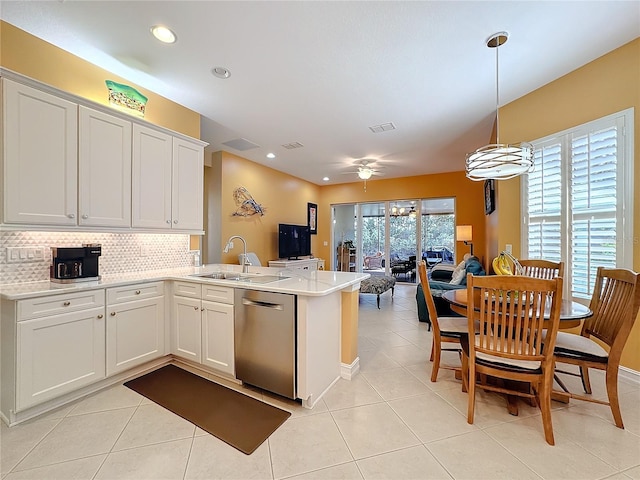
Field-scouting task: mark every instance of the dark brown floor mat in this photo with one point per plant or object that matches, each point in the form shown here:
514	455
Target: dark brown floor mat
239	420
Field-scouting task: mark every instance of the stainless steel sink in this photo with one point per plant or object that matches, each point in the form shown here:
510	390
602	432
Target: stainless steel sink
220	275
237	277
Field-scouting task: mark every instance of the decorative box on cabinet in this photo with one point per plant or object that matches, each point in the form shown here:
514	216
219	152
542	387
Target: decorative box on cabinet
202	325
135	325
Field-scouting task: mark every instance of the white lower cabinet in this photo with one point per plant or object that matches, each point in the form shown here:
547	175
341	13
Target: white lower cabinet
135	328
217	336
57	354
201	329
186	328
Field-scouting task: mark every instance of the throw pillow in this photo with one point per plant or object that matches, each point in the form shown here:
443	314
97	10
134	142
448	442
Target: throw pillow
458	274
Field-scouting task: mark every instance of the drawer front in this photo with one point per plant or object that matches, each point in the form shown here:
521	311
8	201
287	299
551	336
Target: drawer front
215	293
187	289
57	304
134	292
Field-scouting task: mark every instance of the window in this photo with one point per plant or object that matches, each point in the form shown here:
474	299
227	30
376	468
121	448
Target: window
577	204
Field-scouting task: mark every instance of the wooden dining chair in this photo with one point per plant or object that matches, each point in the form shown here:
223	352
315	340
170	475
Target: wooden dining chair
615	303
511	314
542	268
445	329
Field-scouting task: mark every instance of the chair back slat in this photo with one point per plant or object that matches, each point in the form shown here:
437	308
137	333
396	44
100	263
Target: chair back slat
615	303
542	268
431	306
511	311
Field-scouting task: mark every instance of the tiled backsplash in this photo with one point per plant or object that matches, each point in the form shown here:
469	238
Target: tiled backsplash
121	252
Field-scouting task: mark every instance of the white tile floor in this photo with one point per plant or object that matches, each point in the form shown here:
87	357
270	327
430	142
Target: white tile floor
388	422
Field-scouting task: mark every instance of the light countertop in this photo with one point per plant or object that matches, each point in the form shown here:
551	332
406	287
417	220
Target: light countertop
298	282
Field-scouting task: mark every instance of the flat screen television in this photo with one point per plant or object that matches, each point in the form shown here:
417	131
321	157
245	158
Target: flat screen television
293	241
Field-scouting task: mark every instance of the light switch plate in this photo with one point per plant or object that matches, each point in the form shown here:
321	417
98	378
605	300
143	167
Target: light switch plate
25	254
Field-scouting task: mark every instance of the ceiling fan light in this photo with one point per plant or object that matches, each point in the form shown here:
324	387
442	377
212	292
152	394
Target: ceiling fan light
365	173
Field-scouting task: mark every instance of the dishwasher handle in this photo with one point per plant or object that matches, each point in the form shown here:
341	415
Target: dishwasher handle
255	303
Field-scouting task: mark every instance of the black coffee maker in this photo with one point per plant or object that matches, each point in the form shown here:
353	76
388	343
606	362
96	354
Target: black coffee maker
75	264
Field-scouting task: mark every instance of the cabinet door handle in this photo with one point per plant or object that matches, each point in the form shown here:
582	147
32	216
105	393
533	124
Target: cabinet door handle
202	309
72	215
169	222
100	316
113	314
137	292
195	308
175	221
66	304
85	216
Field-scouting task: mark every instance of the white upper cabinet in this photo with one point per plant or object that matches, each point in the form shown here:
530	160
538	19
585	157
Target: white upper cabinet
104	185
69	162
40	156
152	152
167	181
188	172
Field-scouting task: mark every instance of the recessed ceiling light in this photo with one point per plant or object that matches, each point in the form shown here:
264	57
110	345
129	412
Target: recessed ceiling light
326	179
221	72
271	155
164	34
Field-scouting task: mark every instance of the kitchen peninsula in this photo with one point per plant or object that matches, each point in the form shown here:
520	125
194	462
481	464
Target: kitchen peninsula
62	342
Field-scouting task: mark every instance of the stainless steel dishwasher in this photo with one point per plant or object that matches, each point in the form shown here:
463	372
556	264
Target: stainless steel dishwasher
265	340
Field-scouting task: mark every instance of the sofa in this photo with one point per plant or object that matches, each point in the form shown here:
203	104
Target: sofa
440	280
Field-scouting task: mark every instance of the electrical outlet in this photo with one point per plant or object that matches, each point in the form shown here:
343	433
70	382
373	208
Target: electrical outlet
509	248
144	250
325	243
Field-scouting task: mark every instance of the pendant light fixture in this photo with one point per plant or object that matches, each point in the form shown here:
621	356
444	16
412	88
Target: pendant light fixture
499	161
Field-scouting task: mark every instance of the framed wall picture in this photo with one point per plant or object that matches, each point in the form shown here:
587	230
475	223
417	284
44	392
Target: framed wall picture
312	218
489	196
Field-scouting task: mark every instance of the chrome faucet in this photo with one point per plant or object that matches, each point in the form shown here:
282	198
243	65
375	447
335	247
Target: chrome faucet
229	245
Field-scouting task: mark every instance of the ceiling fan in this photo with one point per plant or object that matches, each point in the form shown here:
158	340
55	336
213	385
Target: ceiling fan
366	168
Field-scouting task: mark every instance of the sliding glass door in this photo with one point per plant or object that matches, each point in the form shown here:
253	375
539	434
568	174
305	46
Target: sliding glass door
403	240
388	238
437	230
374	238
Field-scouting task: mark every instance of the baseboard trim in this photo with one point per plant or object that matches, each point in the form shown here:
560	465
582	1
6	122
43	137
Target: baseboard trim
629	375
349	371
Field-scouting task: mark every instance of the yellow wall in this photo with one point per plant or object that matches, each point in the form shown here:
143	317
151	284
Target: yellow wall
23	53
284	197
605	86
469	203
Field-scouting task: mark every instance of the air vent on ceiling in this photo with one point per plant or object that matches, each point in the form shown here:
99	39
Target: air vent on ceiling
292	145
383	127
240	144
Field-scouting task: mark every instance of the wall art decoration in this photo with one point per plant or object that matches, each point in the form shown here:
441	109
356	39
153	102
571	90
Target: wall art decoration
246	205
312	218
489	196
126	98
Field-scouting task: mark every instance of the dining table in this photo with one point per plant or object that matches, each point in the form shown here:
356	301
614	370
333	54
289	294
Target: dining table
571	312
571	315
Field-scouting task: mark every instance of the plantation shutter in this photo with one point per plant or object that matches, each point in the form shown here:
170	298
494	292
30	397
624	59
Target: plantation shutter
578	202
544	204
593	206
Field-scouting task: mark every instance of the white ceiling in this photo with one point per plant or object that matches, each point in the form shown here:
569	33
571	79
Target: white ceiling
320	73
